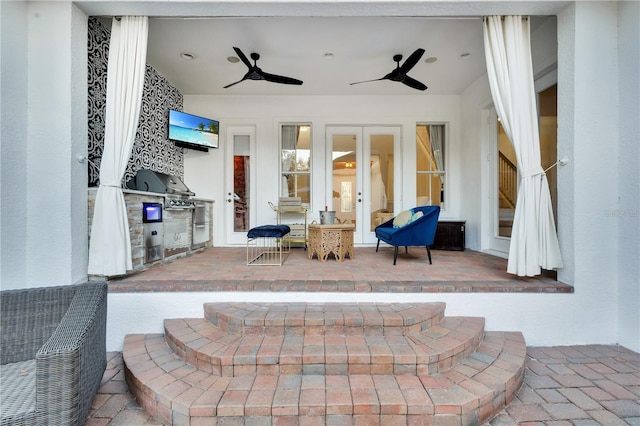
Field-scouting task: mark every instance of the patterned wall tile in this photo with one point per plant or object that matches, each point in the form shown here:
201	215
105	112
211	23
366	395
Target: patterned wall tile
151	148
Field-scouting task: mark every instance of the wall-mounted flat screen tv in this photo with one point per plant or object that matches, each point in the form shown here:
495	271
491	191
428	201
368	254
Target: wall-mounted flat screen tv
193	132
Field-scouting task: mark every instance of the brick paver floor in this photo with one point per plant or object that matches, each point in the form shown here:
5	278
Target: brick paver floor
564	385
225	269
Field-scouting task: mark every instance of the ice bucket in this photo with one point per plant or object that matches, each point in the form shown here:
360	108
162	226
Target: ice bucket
327	217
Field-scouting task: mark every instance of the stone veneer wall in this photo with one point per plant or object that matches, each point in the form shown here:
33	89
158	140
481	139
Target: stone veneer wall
151	149
133	201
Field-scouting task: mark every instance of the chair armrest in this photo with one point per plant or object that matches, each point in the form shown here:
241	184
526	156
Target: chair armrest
28	318
387	224
70	365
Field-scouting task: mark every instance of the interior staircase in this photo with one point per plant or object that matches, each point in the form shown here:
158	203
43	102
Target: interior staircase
317	364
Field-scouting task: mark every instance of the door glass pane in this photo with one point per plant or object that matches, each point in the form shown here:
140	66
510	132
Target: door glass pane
548	107
344	175
507	183
430	165
241	192
381	175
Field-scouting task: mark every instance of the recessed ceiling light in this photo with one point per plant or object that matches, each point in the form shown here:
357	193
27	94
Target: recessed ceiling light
431	59
328	55
233	59
465	55
187	56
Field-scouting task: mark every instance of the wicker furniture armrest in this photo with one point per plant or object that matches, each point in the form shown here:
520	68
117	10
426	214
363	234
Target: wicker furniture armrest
69	367
70	364
28	319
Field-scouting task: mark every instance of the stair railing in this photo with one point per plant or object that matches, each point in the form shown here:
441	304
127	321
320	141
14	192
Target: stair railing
507	180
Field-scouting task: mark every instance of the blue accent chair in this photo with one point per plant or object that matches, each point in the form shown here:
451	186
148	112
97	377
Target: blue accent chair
419	232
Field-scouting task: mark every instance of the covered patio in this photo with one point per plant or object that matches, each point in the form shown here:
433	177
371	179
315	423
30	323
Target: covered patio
225	269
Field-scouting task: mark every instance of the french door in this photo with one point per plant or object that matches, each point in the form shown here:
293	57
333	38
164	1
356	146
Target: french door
239	198
361	176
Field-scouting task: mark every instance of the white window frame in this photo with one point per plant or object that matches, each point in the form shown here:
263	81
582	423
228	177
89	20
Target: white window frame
442	173
282	173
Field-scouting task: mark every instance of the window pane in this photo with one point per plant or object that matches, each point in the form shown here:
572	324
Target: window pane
430	164
303	160
297	185
423	154
430	190
295	161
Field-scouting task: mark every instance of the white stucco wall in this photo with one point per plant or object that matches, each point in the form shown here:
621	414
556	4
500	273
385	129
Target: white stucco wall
627	210
44	206
13	157
204	172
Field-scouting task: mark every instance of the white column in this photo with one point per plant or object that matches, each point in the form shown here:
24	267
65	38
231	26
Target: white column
56	194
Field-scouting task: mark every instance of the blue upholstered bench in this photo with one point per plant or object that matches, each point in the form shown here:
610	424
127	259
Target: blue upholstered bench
268	245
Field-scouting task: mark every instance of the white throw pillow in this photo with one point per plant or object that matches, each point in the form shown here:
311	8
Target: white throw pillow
402	219
417	215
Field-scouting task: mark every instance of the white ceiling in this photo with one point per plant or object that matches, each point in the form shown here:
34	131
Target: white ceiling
362	48
292	37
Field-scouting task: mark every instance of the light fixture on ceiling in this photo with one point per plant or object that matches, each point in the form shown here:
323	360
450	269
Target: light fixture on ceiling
187	56
431	59
233	59
328	55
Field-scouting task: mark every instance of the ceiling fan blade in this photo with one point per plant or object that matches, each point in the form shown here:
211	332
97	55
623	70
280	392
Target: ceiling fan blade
242	56
413	83
233	84
412	60
367	81
280	79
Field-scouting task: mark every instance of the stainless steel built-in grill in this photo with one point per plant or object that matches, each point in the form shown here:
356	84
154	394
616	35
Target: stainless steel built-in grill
182	213
176	192
161	183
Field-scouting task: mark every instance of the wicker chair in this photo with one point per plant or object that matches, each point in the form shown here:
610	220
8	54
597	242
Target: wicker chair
52	353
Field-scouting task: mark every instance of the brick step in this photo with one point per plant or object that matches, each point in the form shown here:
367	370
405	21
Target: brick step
471	392
215	351
298	319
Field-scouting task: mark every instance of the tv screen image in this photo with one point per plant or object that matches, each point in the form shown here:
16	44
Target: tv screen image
192	131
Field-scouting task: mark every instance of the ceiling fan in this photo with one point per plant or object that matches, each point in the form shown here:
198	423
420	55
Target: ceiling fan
255	73
400	73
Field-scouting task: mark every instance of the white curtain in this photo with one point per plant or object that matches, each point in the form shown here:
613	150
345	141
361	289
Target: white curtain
378	191
110	248
534	243
435	137
289	137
